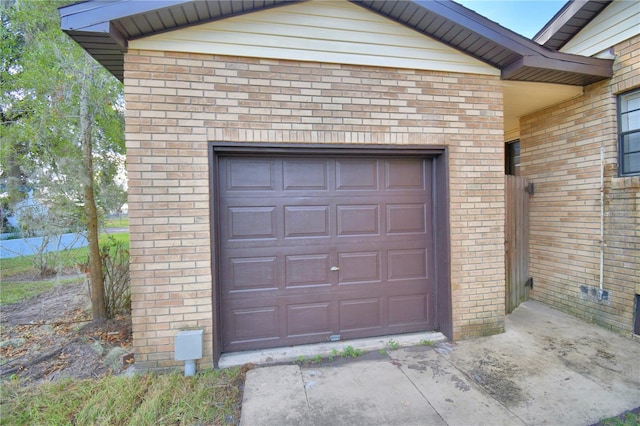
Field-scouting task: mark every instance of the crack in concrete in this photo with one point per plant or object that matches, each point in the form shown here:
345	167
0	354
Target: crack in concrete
398	366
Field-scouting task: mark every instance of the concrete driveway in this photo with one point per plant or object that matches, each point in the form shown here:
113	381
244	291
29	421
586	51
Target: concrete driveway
547	369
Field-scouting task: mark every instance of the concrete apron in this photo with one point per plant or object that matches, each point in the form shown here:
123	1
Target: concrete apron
547	368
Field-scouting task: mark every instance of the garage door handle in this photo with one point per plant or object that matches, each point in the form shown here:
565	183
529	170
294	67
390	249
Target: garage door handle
335	268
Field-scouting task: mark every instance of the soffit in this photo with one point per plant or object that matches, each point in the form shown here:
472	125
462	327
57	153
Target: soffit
521	98
568	22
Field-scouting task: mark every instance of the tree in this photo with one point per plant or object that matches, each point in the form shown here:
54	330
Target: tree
64	124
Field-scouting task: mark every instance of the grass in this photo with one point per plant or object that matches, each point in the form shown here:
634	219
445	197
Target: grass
15	291
210	397
117	223
630	418
15	266
82	254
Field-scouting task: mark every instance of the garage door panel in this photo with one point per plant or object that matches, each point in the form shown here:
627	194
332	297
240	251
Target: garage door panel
256	273
359	267
408	310
357	175
251	222
407	264
306	221
358	220
262	176
308	270
309	319
405	175
406	218
253	324
305	175
360	314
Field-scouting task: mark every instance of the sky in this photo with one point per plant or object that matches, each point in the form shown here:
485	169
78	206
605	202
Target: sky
526	17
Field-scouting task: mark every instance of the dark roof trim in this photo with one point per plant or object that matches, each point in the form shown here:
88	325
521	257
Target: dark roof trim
568	22
103	27
516	56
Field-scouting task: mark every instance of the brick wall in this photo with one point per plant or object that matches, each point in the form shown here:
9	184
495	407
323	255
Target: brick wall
178	102
560	153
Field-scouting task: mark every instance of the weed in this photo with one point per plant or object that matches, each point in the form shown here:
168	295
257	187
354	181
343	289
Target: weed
392	345
316	359
300	359
383	352
350	352
426	342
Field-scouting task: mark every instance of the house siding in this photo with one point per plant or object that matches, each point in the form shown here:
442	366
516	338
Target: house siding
560	153
178	102
318	31
616	23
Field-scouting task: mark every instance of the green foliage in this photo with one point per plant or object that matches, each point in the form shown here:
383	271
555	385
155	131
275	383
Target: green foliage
350	352
302	360
81	255
393	345
115	266
210	397
43	74
625	419
425	342
24	264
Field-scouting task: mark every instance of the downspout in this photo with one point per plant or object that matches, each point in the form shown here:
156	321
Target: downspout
601	223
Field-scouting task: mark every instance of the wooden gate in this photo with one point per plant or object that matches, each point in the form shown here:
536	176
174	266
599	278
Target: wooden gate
518	282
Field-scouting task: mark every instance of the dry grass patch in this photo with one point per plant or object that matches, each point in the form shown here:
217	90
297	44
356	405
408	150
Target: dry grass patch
210	398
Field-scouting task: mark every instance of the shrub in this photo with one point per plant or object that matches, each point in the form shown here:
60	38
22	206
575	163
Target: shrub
115	267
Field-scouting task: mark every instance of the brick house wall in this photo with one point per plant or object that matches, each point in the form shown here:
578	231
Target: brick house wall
560	153
177	103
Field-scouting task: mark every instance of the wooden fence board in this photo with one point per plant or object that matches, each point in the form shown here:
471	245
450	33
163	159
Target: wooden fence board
516	241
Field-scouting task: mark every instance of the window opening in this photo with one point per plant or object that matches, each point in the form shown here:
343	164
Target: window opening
512	158
629	133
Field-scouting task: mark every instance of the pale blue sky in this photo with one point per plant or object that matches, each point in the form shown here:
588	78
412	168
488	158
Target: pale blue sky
525	17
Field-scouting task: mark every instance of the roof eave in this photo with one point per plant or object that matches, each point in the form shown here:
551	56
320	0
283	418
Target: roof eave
551	66
568	22
541	69
517	56
104	43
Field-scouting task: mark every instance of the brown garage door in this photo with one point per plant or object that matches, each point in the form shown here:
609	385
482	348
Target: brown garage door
316	248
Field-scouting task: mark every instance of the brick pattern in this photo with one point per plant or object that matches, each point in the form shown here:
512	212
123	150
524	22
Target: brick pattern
560	153
177	102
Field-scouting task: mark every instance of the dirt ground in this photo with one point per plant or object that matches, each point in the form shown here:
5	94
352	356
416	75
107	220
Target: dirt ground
51	336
